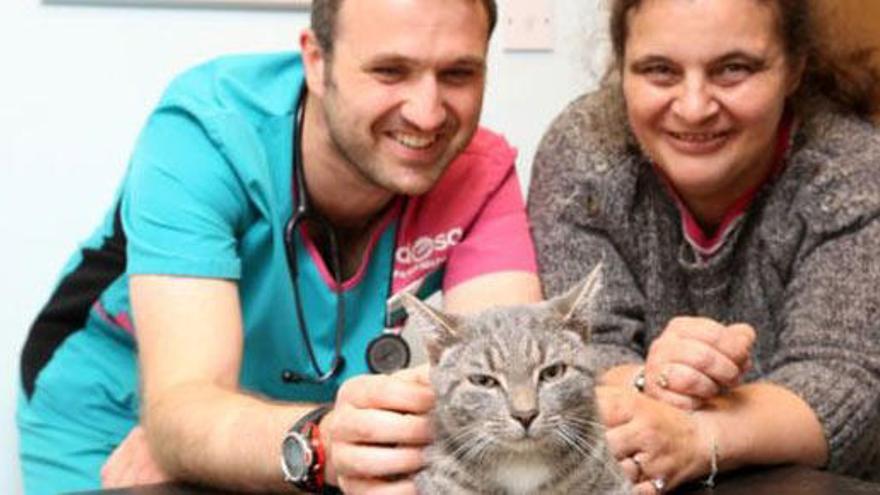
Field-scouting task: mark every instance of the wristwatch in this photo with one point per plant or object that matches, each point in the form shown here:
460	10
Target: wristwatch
302	455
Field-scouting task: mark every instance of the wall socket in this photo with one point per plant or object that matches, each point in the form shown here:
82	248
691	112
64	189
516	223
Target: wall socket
529	25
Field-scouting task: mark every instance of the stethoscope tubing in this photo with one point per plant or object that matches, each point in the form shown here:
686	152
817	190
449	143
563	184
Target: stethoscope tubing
301	212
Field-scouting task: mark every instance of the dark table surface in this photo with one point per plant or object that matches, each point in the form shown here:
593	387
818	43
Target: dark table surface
776	481
786	481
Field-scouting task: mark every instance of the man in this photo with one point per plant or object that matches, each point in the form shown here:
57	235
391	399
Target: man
272	205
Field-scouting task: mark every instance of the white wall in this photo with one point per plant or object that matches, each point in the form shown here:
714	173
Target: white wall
77	83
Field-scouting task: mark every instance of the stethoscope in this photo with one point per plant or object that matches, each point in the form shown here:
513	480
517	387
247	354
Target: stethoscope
385	353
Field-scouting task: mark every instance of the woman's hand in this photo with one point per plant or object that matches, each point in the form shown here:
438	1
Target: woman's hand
695	359
657	445
375	435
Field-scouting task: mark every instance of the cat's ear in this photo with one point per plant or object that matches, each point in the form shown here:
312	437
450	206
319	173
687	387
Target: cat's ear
438	329
579	298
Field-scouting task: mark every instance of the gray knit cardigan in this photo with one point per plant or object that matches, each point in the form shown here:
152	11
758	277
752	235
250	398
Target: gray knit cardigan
802	266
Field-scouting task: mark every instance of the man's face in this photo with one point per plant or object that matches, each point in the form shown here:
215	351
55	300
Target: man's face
403	91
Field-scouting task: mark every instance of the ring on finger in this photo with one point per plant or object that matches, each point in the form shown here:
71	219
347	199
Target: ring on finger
659	484
662	380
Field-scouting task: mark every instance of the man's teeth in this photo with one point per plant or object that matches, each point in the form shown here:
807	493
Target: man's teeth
413	141
697	137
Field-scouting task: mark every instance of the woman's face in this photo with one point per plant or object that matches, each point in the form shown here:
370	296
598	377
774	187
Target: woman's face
705	83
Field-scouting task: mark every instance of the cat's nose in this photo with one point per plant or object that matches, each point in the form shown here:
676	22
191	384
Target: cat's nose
525	418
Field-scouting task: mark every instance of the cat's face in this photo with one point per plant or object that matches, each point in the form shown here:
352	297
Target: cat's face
517	377
514	379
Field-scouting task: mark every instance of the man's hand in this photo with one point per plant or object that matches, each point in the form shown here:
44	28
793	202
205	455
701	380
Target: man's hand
695	359
375	435
132	463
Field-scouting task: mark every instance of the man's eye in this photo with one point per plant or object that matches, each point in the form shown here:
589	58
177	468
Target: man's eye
458	76
388	73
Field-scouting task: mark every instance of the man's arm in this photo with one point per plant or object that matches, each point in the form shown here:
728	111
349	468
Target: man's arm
199	424
201	427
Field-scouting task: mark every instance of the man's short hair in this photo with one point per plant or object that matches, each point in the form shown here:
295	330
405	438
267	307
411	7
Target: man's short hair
325	12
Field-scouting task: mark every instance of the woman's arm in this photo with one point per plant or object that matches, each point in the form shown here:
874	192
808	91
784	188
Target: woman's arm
756	424
818	400
829	343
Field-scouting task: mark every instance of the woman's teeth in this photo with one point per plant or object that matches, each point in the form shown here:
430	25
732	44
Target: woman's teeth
697	137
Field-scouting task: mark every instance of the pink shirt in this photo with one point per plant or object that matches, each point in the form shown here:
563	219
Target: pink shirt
473	220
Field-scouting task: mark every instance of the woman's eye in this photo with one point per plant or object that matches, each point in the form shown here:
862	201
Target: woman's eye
659	73
552	372
484	381
657	69
733	73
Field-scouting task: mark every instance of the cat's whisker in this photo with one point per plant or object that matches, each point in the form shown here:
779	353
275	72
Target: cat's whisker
478	449
583	420
588	425
589	449
585	428
585	444
460	440
469	443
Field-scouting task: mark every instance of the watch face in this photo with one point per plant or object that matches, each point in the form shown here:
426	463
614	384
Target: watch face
387	353
296	457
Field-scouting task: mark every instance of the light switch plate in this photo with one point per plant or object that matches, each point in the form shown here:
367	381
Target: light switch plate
528	25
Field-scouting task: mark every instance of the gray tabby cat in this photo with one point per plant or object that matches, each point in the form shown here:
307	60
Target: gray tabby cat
516	411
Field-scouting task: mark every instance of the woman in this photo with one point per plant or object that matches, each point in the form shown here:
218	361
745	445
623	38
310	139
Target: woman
736	212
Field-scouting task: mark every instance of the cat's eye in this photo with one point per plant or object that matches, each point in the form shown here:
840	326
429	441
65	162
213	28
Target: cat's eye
552	372
483	381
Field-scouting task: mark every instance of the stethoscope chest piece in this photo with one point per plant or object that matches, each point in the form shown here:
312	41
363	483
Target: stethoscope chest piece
388	353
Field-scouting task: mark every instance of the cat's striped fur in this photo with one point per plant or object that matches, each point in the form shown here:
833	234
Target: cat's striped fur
516	411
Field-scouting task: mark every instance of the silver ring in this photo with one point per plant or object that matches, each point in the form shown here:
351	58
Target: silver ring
659	484
662	380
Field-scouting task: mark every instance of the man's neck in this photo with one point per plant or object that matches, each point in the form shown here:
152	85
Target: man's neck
350	203
336	190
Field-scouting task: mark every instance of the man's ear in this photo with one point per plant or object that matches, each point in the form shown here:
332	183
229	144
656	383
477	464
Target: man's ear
314	60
